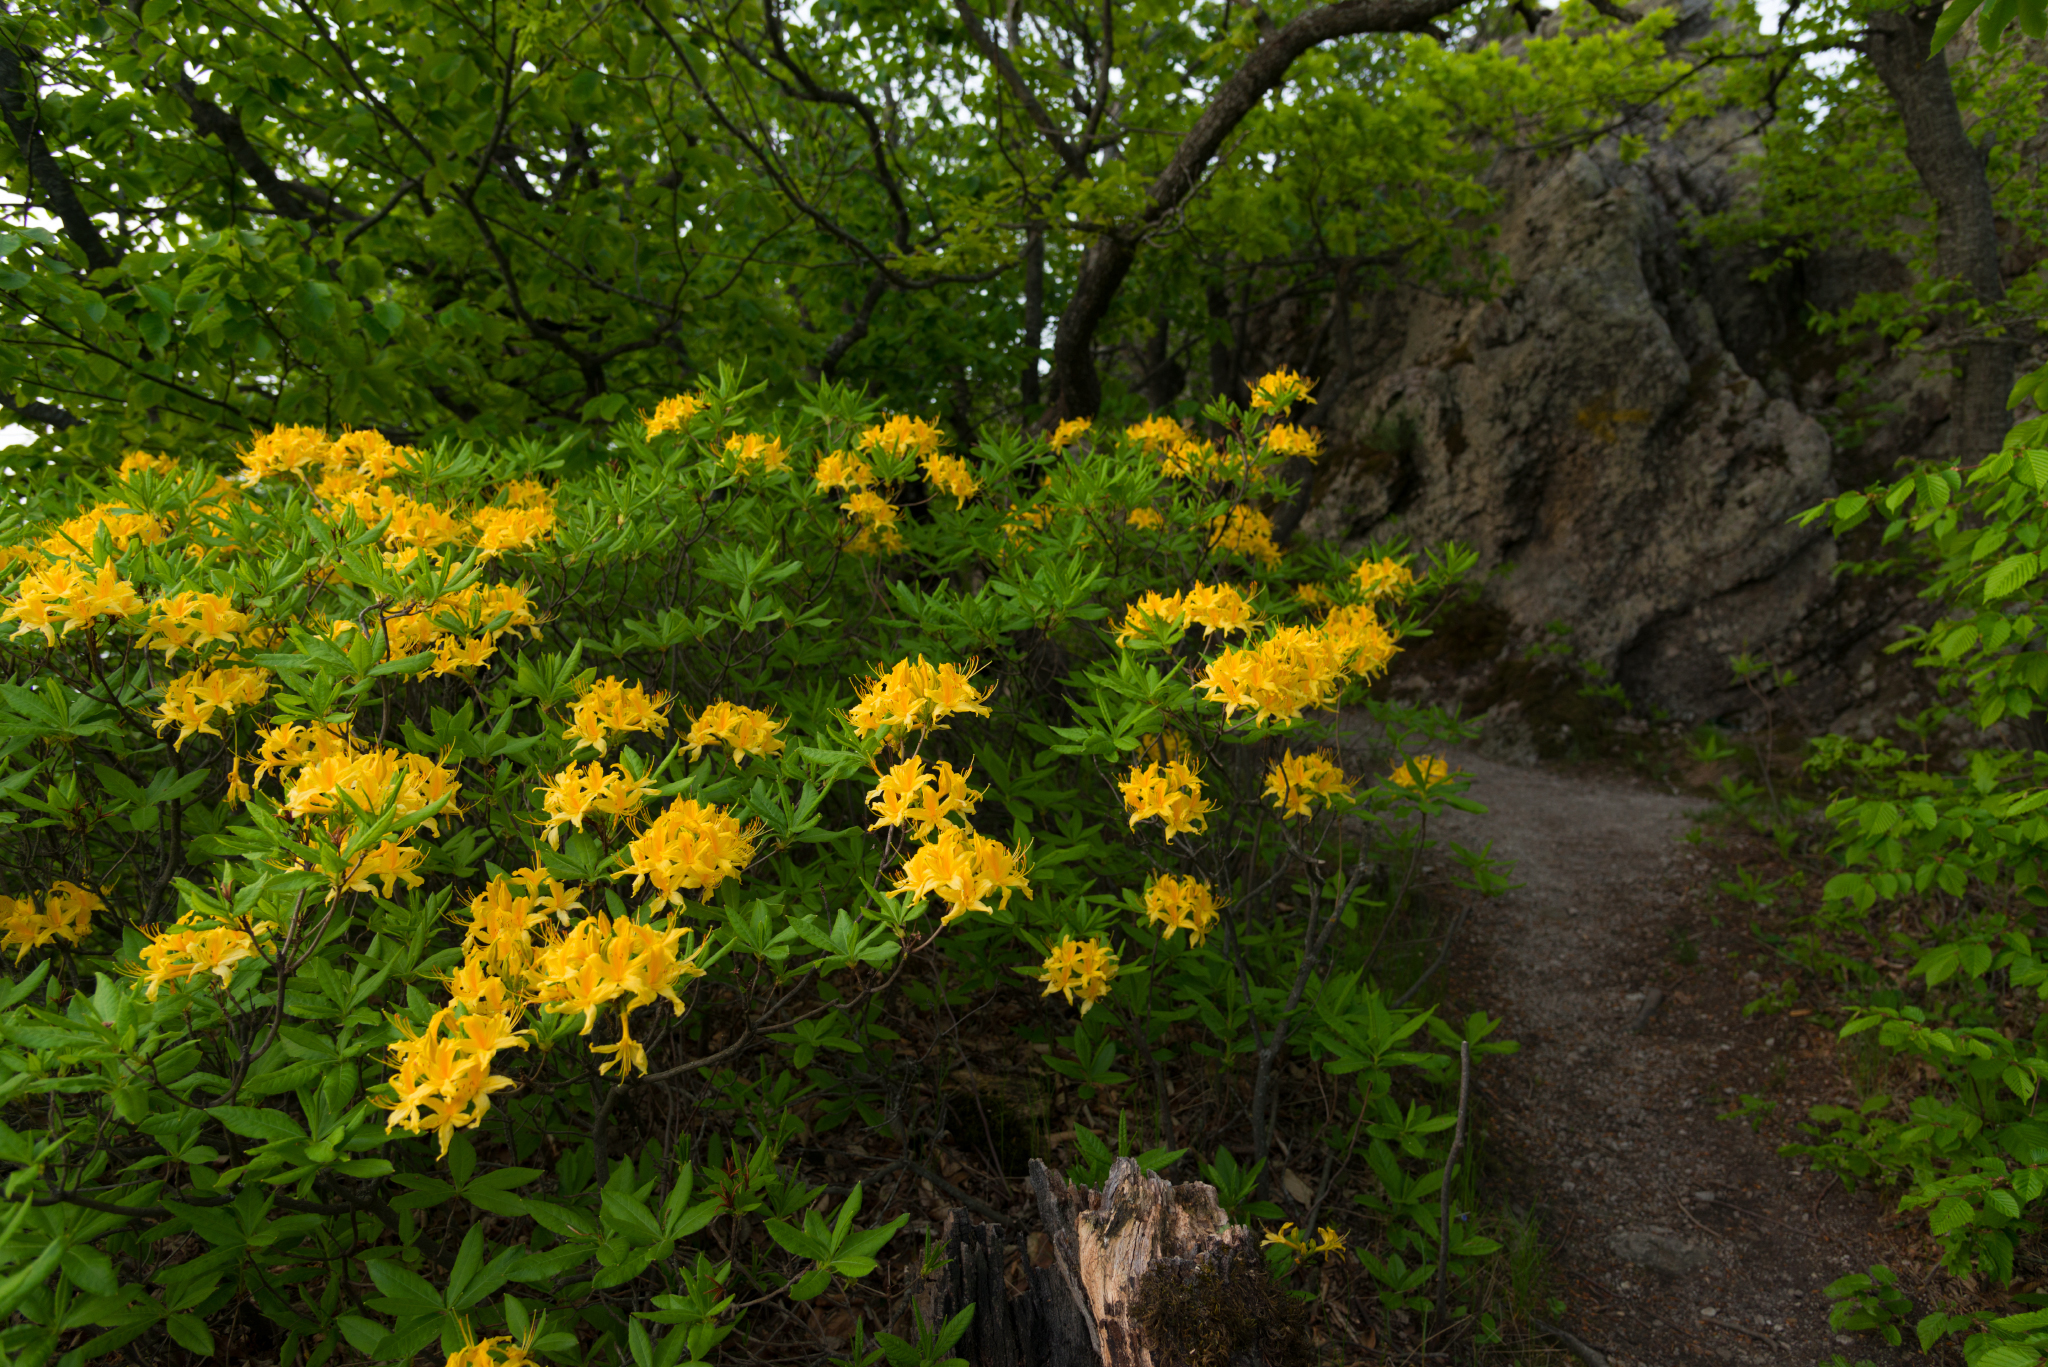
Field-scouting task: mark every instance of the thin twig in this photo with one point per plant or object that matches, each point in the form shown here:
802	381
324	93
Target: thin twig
1443	1235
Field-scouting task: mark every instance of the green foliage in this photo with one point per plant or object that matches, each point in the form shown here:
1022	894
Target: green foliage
338	946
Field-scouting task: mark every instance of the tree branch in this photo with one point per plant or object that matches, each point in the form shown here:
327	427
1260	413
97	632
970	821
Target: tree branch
60	196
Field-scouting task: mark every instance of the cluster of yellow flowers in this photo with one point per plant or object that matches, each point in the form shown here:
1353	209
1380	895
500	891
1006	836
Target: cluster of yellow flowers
1158	434
1421	772
1179	903
368	780
924	798
1384	579
1294	782
961	866
1171	791
752	454
1285	440
604	960
66	913
748	730
1070	431
672	414
1299	667
1245	531
574	794
842	471
1213	607
198	944
1193	458
62	596
1331	1242
191	700
190	619
448	1069
903	435
501	1351
611	706
914	695
1079	968
877	518
691	847
1146	519
1279	391
964	868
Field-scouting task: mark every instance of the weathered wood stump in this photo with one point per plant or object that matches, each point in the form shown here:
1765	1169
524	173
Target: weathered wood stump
1144	1273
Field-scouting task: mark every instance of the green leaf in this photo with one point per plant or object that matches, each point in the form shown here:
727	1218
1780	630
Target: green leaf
191	1334
252	1122
1951	1214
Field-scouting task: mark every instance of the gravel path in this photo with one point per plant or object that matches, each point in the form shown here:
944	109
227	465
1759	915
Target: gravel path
1681	1237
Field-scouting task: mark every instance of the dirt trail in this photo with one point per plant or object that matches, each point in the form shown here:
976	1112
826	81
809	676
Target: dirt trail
1681	1237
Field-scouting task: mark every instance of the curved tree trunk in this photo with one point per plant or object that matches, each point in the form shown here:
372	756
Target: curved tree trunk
1076	385
1951	169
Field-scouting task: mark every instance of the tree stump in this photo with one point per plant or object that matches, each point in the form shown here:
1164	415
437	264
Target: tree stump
1145	1273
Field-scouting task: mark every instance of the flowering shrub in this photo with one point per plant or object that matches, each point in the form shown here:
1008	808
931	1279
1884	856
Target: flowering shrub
457	899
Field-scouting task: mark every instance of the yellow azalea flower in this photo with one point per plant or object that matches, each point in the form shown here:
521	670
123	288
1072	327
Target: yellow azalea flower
751	454
1298	667
407	783
79	537
916	695
603	959
66	913
285	451
574	794
514	528
1329	1243
963	869
1245	531
1285	441
691	846
748	730
950	475
878	517
291	745
1170	791
1079	968
924	799
1275	392
1152	612
1284	1238
461	652
1177	903
1294	781
499	932
446	1071
191	700
1421	772
672	414
1192	458
1157	434
192	949
187	620
133	461
903	435
1068	431
1384	579
1219	607
1312	595
843	471
609	706
1146	519
371	453
392	861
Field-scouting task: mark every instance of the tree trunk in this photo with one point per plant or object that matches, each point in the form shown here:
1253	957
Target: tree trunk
1951	169
1144	1274
1034	312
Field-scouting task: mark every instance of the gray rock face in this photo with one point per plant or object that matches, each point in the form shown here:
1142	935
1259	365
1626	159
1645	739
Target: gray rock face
1594	426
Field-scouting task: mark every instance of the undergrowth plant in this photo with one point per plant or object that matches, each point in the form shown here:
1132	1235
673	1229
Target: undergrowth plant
1938	870
466	904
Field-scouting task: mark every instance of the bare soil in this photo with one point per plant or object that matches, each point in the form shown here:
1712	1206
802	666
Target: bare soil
1680	1235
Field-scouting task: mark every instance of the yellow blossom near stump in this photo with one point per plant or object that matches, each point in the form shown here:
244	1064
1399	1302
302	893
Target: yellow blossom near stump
1294	782
691	847
1177	903
1171	792
1081	969
746	730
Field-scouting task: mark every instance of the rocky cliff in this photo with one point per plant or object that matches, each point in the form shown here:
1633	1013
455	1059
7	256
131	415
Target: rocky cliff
1630	426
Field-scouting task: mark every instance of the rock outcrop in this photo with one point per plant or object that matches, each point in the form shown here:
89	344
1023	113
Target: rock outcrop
1632	425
